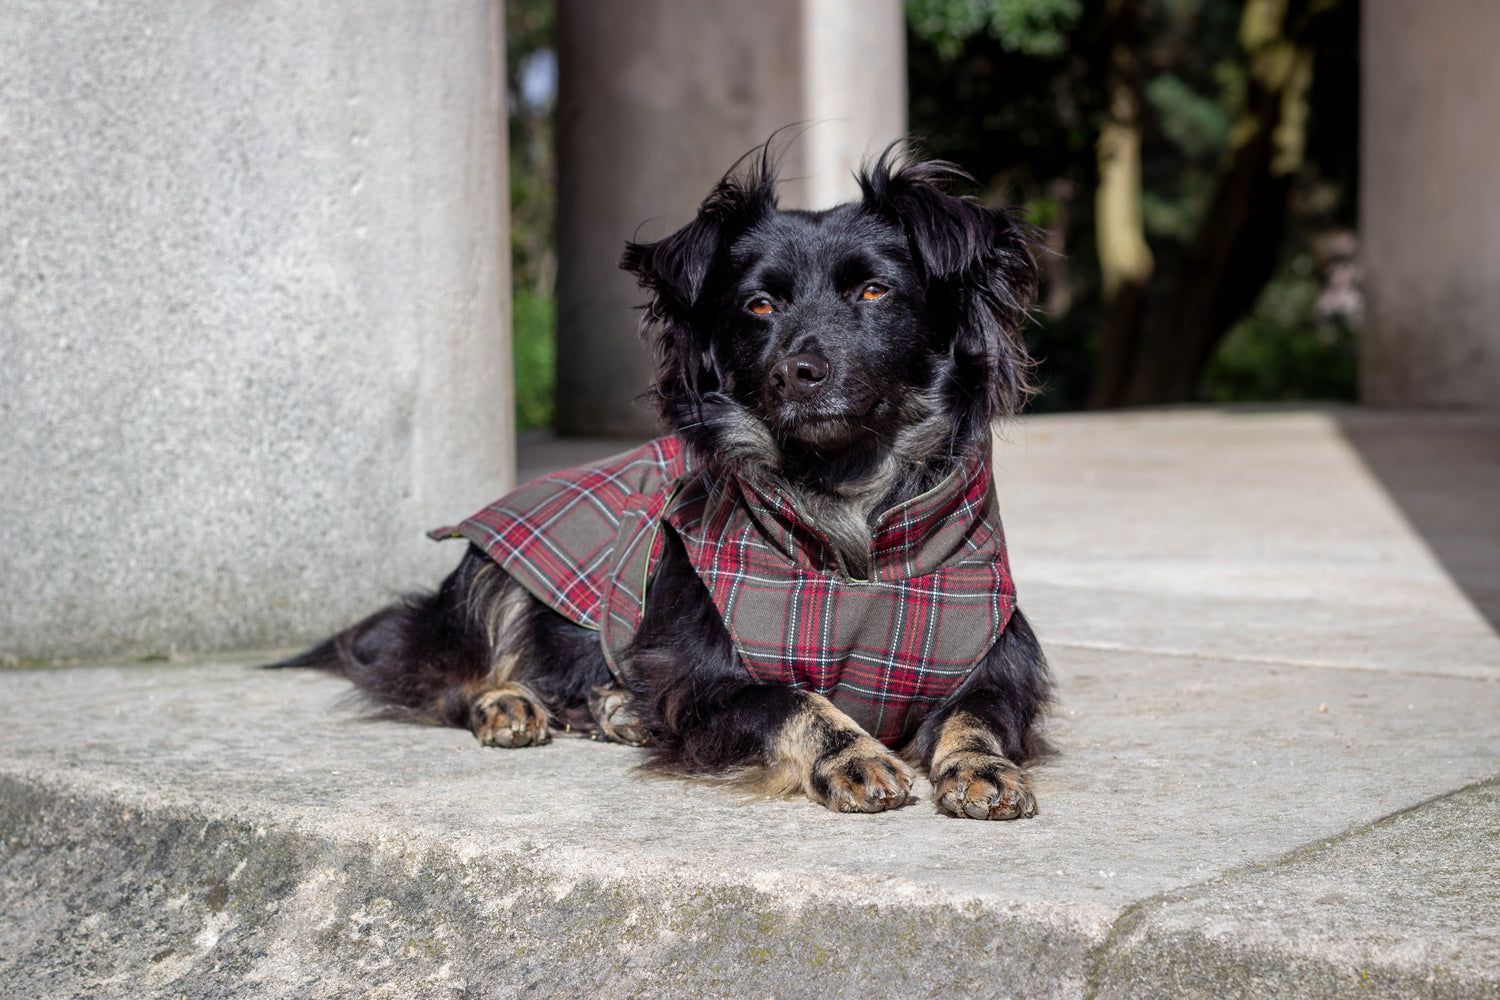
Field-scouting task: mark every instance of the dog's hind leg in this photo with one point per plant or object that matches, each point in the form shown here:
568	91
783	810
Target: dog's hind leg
973	745
711	718
480	654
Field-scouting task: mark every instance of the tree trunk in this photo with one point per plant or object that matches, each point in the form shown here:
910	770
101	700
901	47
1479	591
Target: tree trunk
1240	235
1125	262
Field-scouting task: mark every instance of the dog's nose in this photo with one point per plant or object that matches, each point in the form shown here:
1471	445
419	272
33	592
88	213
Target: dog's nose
799	375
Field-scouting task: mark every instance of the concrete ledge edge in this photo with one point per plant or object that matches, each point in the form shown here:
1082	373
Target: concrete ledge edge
106	896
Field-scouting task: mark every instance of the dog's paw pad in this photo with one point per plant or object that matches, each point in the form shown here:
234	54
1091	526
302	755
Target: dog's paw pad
865	778
983	786
504	718
616	718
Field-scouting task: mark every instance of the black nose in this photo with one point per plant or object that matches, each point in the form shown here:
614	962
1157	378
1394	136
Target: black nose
799	376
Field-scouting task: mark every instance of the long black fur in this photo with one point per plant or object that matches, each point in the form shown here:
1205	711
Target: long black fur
917	375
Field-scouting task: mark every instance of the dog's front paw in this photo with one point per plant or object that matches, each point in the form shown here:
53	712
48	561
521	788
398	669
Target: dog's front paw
862	777
508	717
979	785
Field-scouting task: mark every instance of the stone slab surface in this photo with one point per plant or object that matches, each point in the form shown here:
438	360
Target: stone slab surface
210	827
1407	907
1238	811
1282	536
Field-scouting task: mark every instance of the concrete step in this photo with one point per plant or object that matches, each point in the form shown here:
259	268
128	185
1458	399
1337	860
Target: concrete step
1267	789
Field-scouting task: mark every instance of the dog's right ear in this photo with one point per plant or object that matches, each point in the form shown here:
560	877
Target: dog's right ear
675	269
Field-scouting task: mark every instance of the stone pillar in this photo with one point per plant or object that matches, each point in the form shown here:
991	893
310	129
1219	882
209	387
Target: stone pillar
1430	218
656	99
254	324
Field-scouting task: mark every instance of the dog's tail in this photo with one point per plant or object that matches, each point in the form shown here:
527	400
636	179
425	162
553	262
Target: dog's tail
324	656
336	654
423	657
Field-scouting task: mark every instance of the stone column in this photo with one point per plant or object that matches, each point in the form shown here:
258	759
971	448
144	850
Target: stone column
656	99
1430	218
254	324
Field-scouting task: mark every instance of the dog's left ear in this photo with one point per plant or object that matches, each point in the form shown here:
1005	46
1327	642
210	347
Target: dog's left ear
979	258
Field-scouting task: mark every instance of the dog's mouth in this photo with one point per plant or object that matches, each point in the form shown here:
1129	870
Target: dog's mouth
823	426
826	432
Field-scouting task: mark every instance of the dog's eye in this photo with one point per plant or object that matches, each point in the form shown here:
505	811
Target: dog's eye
872	291
760	305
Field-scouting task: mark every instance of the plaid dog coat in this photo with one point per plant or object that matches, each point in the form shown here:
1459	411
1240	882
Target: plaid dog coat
885	649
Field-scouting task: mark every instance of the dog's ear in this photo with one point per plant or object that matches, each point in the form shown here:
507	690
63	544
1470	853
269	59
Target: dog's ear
675	269
978	259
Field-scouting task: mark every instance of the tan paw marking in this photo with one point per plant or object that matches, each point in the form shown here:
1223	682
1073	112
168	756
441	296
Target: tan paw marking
864	777
822	753
615	715
508	717
979	785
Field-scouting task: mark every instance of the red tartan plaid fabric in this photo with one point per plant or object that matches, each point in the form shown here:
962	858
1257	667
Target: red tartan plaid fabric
560	536
885	649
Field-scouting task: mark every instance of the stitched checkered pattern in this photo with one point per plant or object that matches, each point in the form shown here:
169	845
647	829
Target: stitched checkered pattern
885	649
557	535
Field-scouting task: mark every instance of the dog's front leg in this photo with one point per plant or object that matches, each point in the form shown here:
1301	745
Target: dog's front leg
778	741
711	718
974	745
973	777
821	752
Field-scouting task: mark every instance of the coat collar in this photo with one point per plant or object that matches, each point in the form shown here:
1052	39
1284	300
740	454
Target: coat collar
922	535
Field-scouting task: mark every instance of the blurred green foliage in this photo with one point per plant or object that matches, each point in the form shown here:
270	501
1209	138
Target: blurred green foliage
1032	27
533	202
534	344
533	173
998	94
1285	351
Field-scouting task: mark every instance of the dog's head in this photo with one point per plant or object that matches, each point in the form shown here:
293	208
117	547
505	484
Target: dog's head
804	342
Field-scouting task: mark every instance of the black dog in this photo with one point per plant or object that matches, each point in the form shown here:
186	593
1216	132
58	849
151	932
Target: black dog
815	543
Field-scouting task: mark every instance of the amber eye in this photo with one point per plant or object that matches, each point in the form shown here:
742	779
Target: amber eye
872	291
760	305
